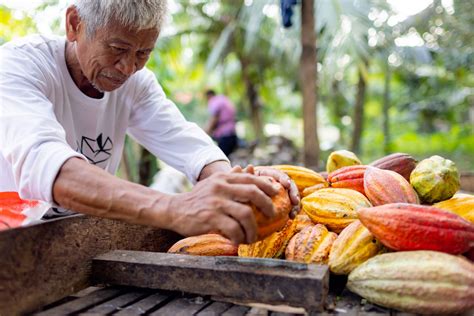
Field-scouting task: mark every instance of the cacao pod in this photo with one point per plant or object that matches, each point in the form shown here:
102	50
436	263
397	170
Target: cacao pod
311	245
334	208
205	245
351	177
385	186
354	245
302	220
303	177
401	163
402	226
341	158
422	282
271	247
435	179
282	205
461	204
307	191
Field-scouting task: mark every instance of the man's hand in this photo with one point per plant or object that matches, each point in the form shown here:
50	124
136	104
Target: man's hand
220	203
281	177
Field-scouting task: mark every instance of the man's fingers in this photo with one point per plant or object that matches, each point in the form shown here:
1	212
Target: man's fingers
252	194
294	193
263	183
245	217
230	228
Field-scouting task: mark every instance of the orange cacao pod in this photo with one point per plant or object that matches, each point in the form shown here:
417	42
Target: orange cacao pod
461	204
385	186
205	245
402	226
354	245
335	208
401	163
311	245
271	247
282	204
421	282
351	177
303	177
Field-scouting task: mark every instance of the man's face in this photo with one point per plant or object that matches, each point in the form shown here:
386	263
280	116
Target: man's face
113	54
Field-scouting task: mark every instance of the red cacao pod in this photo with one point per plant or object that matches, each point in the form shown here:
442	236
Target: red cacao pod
386	186
401	163
403	226
351	177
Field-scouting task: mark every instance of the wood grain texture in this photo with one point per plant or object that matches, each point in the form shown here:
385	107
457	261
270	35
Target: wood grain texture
48	261
269	281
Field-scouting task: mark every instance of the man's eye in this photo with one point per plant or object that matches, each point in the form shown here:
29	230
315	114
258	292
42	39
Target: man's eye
117	49
143	54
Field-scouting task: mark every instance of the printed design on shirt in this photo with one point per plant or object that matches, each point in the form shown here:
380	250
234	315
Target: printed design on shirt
96	150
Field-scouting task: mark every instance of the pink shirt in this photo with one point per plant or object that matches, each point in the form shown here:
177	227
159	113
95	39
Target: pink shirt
223	108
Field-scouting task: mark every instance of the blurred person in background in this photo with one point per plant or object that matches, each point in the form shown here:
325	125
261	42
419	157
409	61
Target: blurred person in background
221	124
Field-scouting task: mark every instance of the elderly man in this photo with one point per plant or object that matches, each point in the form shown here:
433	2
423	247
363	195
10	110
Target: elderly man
67	104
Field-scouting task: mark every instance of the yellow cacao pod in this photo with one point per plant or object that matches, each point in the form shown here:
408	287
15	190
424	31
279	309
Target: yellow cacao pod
461	204
303	177
341	158
271	247
354	245
422	282
335	208
302	221
311	245
205	245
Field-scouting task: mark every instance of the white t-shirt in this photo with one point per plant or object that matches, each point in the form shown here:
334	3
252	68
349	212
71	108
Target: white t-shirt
45	119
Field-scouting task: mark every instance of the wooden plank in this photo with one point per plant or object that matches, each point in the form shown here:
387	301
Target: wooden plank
84	302
215	308
269	281
116	303
43	263
182	306
146	304
236	310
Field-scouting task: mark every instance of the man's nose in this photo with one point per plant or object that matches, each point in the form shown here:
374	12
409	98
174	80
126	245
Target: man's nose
127	65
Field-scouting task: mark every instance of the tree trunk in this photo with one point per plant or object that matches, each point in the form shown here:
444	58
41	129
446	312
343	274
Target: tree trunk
359	114
386	109
338	103
254	103
308	80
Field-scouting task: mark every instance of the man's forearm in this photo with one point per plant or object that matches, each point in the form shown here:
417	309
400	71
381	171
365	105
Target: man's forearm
90	190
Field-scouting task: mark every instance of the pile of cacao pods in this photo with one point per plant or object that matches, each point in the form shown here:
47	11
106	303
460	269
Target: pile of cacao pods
397	227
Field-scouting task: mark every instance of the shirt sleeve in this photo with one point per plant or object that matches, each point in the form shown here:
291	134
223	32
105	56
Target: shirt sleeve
157	124
32	141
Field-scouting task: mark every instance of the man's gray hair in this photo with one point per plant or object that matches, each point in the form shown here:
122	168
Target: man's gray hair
135	14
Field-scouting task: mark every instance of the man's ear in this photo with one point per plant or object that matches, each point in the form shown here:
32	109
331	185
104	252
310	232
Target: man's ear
74	25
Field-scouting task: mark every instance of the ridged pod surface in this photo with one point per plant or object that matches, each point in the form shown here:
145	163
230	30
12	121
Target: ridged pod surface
307	191
461	204
302	220
282	205
402	226
351	177
354	245
311	245
205	245
423	282
271	247
341	158
303	177
386	186
401	163
334	208
435	179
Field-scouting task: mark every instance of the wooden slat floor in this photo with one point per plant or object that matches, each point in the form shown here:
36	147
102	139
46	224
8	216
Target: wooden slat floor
119	300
